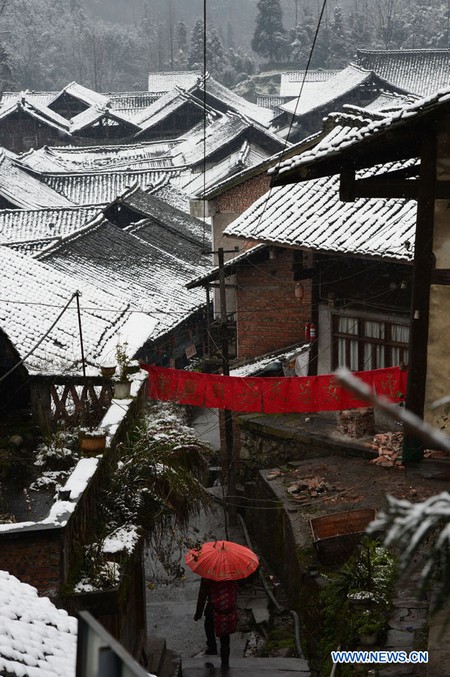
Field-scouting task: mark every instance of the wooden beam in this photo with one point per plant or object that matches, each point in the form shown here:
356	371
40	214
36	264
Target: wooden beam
420	298
386	186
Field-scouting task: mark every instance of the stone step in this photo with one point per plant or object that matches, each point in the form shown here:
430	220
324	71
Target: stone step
155	649
171	665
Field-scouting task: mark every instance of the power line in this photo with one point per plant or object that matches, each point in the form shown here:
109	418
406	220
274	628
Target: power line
30	352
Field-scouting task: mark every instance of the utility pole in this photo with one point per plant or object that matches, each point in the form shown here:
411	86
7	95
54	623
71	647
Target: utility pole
228	416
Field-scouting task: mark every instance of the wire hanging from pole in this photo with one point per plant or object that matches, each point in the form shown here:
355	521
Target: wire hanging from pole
83	361
30	352
204	121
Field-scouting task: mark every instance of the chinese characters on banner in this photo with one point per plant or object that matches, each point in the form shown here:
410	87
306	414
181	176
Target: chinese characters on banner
303	394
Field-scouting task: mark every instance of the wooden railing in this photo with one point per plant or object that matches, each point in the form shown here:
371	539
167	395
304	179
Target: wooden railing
71	401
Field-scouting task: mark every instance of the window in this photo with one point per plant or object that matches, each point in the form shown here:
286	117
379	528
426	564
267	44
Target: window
362	344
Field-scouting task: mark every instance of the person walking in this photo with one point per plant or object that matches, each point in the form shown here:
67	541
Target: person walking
218	601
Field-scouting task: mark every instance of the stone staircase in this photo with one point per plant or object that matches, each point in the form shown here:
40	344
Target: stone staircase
162	661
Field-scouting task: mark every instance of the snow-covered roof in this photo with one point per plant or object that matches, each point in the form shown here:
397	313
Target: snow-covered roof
95	114
97	158
37	639
172	195
310	215
246	155
292	81
165	106
23	190
131	270
337	87
201	144
421	71
42	98
35	110
102	187
33	295
164	81
83	94
231	101
389	101
18	225
167	227
345	137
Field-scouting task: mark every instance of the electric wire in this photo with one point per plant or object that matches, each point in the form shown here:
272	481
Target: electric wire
38	343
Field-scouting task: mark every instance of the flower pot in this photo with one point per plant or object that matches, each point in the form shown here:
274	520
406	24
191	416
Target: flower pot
92	444
122	390
108	372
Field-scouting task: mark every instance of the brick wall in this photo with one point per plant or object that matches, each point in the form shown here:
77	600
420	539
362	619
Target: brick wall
269	316
35	558
239	198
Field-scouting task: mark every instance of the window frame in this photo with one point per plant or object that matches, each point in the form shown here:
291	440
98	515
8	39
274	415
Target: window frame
387	342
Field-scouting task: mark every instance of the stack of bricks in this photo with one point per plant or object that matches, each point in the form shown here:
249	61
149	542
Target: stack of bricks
356	422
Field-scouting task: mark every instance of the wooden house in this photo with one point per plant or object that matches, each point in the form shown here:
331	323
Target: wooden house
418	137
354	85
420	71
25	124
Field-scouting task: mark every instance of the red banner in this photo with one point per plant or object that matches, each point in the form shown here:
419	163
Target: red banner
271	395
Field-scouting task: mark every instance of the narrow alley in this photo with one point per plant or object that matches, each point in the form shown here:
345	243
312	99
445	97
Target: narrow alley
171	608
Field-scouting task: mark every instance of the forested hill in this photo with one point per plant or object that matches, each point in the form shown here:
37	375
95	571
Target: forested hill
112	45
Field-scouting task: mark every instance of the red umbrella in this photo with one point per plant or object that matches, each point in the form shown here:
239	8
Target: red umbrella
222	561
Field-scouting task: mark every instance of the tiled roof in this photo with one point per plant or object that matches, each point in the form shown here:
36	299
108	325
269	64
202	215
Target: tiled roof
41	113
168	228
163	81
95	114
232	101
168	104
390	101
19	225
271	101
230	266
172	195
134	271
124	102
292	81
33	295
102	187
150	206
346	137
311	215
31	247
421	71
244	156
23	190
131	102
37	638
324	93
98	158
219	135
41	98
87	96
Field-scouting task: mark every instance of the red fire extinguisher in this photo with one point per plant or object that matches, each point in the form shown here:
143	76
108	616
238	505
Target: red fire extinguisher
307	331
312	332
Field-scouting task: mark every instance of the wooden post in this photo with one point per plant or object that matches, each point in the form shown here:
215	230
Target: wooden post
420	298
40	405
228	416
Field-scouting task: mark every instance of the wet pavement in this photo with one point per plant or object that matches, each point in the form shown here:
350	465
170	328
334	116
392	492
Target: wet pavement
171	608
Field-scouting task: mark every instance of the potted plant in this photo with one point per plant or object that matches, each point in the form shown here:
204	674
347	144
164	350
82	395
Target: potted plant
107	369
92	440
122	385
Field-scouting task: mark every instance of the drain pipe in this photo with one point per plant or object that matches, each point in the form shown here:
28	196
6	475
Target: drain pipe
271	596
